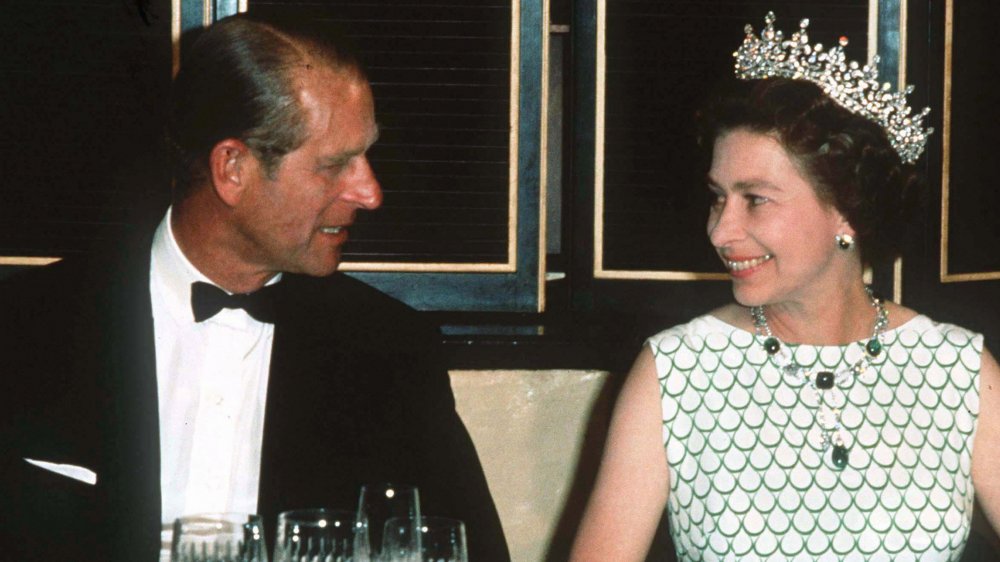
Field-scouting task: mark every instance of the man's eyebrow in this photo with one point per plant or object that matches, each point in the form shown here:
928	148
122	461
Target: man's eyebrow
336	159
342	157
371	139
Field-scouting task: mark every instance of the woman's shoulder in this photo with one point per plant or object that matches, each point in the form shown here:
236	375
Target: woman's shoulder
722	323
908	324
899	315
735	315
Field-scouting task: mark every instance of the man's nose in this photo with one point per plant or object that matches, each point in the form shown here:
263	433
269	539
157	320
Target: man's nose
364	189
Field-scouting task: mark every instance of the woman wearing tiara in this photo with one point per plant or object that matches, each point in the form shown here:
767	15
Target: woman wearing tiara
808	420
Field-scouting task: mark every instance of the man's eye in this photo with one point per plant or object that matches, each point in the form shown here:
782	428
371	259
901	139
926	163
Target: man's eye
755	200
335	168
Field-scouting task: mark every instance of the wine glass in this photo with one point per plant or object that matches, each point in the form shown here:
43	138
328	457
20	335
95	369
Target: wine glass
377	504
431	539
218	537
308	535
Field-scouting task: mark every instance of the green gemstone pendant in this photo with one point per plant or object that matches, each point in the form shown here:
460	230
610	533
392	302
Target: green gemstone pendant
873	347
839	456
772	345
824	380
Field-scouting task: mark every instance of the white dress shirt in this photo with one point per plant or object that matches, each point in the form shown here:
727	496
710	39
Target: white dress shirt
212	384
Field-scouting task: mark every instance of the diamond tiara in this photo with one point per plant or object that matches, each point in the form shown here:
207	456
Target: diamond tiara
854	87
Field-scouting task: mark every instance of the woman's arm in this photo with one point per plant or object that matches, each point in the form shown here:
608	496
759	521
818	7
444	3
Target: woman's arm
632	484
986	447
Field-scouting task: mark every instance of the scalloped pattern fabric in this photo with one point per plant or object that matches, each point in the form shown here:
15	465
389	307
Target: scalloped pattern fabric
749	479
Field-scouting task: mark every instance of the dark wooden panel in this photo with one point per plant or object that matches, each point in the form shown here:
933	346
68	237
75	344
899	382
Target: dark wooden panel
975	111
966	303
663	59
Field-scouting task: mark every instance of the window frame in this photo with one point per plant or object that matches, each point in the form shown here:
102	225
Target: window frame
515	286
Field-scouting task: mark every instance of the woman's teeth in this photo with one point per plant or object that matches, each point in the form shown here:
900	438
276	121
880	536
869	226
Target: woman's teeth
747	264
331	229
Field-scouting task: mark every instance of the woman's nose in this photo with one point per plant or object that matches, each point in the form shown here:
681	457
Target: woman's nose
724	224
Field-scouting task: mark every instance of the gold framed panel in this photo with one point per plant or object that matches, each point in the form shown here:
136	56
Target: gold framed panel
873	23
175	37
543	162
510	265
873	28
897	264
946	276
599	271
24	260
512	197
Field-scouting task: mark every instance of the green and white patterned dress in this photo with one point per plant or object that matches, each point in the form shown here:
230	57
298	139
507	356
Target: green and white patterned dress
749	479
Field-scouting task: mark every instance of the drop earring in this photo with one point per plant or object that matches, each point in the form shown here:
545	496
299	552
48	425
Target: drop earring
844	241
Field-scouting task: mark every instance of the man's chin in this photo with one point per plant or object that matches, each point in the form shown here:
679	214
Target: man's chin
324	271
320	268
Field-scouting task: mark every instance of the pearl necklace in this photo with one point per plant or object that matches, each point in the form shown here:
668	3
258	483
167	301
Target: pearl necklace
827	417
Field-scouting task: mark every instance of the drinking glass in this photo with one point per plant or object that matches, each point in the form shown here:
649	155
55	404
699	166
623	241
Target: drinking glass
400	540
432	539
377	504
218	537
315	535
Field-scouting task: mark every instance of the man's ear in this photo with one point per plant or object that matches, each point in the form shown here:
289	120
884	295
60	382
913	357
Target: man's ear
231	164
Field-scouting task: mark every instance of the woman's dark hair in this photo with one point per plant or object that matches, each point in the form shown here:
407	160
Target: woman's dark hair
237	82
846	157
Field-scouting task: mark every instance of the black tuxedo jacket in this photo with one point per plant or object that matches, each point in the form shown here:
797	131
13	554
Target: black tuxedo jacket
356	394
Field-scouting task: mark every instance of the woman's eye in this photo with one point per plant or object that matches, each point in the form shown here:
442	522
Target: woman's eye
716	199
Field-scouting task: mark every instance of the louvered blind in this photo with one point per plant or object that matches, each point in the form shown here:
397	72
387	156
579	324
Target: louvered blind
440	74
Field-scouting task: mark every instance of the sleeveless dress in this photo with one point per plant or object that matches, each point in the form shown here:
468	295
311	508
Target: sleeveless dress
749	476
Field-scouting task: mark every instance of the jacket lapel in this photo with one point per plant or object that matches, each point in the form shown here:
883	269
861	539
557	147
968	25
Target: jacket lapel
132	436
282	389
308	447
326	430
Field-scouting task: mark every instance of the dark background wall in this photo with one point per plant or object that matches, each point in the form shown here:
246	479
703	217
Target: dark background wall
81	100
82	86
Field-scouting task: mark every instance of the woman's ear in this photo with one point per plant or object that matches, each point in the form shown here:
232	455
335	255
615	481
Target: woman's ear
843	225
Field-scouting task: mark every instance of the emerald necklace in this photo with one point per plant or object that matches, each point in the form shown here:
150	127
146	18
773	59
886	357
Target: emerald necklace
827	417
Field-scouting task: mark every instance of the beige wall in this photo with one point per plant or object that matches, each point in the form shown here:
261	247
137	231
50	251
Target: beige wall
539	436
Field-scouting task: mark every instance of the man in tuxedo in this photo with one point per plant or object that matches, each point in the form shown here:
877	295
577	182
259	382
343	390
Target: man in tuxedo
218	362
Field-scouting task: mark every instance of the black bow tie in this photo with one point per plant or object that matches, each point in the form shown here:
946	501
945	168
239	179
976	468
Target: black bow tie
207	300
